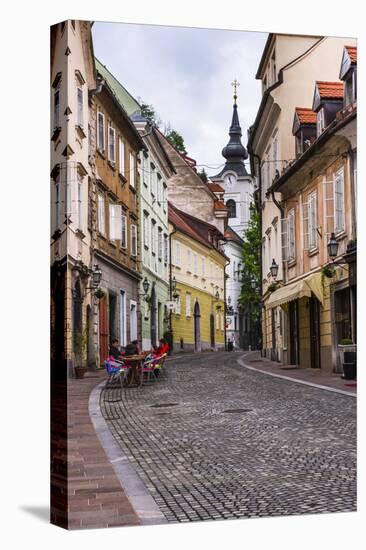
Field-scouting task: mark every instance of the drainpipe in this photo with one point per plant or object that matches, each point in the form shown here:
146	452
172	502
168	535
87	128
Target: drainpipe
282	212
226	264
170	289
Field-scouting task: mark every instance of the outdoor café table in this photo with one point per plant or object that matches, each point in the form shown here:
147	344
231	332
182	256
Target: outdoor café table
134	373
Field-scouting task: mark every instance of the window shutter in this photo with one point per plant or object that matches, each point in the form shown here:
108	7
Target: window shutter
284	238
121	157
339	201
305	225
80	106
101	217
291	235
328	191
312	221
133	240
115	221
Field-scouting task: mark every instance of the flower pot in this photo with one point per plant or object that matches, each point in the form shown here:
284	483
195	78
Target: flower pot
349	370
79	372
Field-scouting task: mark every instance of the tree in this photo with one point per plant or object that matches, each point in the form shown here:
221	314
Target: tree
177	141
203	175
251	252
148	111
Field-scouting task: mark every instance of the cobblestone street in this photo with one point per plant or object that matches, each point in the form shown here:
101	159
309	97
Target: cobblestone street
213	440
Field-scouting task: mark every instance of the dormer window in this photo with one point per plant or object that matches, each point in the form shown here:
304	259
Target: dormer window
348	74
304	129
327	101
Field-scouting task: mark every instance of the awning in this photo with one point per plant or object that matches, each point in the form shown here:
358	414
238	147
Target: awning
299	289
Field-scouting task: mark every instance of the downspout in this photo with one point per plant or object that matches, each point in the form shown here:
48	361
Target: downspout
282	212
259	207
226	264
170	289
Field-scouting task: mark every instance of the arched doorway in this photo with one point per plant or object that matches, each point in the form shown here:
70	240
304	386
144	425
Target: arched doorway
197	327
153	316
212	330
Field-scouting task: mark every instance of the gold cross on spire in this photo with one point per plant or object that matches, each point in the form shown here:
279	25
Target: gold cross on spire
235	84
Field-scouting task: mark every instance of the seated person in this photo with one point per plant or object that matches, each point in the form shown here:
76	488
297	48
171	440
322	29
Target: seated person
163	347
114	350
132	348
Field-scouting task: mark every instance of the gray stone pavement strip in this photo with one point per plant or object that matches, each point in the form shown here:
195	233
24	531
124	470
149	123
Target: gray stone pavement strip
235	443
135	490
243	362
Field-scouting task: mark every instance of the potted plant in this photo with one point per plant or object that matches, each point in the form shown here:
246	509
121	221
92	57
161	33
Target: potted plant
99	293
328	271
344	345
79	352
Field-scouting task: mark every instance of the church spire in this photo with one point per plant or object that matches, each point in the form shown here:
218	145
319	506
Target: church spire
234	152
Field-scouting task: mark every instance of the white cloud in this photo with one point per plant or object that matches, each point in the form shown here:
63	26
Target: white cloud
186	74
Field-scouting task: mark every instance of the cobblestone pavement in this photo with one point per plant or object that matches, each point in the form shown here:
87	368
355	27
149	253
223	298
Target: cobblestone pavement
215	441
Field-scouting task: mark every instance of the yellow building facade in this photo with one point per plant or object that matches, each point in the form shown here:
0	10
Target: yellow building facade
198	289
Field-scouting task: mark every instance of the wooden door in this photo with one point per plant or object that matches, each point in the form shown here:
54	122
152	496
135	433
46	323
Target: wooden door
314	333
212	330
294	332
103	330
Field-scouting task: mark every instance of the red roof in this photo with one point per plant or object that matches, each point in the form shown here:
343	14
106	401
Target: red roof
215	187
231	235
219	205
352	52
178	221
306	115
330	90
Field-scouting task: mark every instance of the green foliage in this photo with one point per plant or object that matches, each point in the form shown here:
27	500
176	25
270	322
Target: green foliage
249	297
79	341
346	342
177	141
148	111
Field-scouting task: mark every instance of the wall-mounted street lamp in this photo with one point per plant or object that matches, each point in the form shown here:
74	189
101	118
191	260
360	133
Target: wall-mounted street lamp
274	269
174	284
253	283
145	285
332	246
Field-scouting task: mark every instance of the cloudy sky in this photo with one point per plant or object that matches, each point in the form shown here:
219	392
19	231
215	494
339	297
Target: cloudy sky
186	74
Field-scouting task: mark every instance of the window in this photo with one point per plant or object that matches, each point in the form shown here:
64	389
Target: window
153	180
177	305
339	221
133	240
115	221
291	234
234	271
269	249
132	170
188	304
121	157
320	123
350	88
78	202
166	249
313	240
153	236
124	231
239	271
160	243
217	319
195	264
164	197
56	110
189	260
111	144
146	229
79	99
231	206
177	253
100	130
159	188
101	215
203	267
145	168
274	158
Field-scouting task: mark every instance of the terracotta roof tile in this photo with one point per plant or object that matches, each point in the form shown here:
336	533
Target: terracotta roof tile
330	90
215	187
352	52
306	115
219	205
177	220
231	235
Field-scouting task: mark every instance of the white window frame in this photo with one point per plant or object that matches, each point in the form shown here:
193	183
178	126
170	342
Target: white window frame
188	304
133	239
166	248
146	229
57	202
203	265
115	221
291	235
111	144
177	305
164	196
313	220
100	125
123	231
195	263
339	210
320	121
121	151
78	202
189	261
153	236
80	106
101	214
132	170
160	243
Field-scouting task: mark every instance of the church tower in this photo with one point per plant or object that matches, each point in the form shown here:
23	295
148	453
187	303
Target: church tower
238	189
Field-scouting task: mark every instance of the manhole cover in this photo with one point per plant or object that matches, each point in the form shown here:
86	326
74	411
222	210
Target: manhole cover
237	410
160	405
